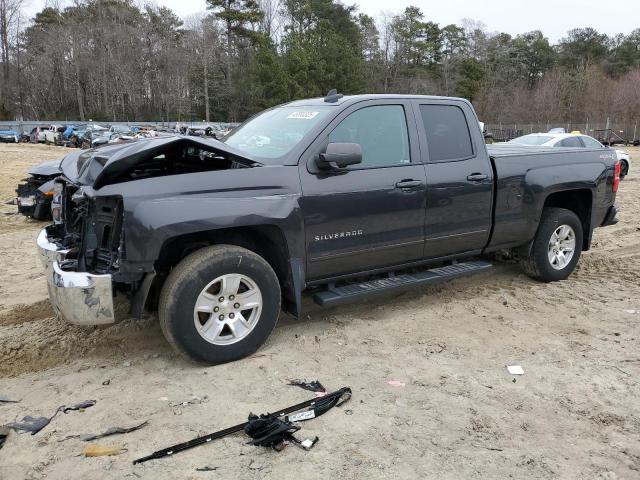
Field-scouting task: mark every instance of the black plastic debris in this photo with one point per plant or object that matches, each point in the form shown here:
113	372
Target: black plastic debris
314	386
4	433
269	431
206	469
265	429
30	424
35	424
77	406
112	431
5	399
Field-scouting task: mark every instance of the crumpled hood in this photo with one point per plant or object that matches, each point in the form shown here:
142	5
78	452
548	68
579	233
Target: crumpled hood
98	166
51	167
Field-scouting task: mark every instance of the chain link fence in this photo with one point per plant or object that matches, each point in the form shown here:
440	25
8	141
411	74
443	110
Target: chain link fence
606	132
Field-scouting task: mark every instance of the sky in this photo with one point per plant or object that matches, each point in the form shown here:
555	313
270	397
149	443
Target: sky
554	17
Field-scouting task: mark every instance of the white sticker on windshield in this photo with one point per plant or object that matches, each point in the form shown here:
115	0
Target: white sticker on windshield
303	115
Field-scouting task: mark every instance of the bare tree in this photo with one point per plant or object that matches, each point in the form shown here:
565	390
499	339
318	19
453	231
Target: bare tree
10	12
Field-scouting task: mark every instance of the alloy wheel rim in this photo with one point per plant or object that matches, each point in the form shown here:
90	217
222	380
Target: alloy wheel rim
562	246
227	309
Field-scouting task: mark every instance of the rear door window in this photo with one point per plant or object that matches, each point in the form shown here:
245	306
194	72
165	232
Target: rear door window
447	131
591	142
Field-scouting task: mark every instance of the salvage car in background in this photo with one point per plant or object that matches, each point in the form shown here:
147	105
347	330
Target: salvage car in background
557	138
53	134
33	196
82	136
36	135
9	136
114	131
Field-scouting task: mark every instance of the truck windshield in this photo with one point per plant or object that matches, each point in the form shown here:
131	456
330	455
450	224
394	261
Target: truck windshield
274	133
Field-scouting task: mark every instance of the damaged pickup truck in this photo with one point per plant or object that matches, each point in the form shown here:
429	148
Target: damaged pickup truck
342	197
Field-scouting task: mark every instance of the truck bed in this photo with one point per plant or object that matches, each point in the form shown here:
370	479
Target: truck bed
528	175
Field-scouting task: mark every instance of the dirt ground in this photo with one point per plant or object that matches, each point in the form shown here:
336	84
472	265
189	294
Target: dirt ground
575	413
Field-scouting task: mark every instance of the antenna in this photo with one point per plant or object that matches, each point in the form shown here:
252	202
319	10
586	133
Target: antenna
333	96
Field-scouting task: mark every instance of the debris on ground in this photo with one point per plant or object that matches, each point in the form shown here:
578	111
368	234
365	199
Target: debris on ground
253	465
77	407
269	431
267	425
515	369
108	432
36	424
206	468
4	433
314	386
5	399
193	401
30	424
396	383
96	450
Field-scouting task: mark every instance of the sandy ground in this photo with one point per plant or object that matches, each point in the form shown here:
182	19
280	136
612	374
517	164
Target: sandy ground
574	414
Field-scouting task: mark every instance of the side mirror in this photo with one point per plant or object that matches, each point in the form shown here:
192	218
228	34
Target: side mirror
341	155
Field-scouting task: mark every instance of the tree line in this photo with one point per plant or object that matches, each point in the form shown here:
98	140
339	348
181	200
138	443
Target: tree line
111	60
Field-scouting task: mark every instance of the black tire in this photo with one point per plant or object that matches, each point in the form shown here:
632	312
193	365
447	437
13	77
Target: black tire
624	169
536	264
190	277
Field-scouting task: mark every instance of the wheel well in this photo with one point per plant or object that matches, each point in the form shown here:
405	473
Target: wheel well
580	203
268	241
626	163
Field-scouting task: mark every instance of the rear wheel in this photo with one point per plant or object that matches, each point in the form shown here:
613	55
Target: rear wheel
219	304
556	247
624	169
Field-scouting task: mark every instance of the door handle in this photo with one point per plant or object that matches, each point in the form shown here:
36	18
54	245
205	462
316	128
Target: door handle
477	177
409	184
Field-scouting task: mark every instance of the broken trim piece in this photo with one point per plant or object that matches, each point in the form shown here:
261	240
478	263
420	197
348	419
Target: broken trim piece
317	405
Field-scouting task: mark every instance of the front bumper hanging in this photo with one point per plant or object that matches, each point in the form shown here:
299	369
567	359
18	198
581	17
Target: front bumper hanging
80	298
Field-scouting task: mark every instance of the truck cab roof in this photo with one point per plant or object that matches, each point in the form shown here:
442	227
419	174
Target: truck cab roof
346	100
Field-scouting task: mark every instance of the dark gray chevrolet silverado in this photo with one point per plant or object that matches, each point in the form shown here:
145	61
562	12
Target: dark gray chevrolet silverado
342	197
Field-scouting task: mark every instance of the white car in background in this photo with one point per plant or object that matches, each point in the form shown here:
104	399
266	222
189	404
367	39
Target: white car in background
52	134
571	140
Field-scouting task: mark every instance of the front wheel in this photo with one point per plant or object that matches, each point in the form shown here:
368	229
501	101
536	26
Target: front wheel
219	304
556	247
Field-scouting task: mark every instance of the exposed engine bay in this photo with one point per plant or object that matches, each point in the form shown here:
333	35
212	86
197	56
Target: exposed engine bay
89	225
